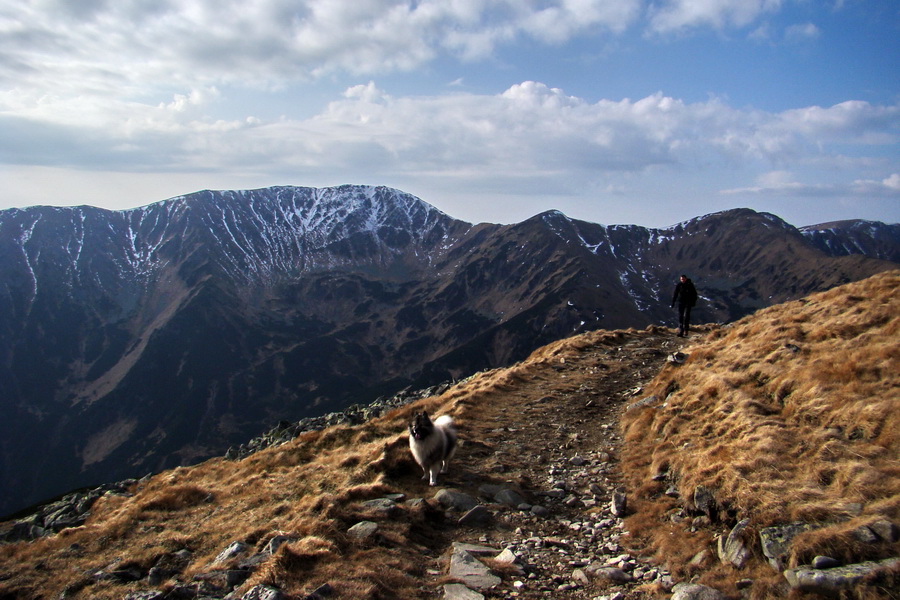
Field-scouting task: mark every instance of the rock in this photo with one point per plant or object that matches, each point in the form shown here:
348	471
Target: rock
677	358
236	577
619	504
648	401
156	575
581	578
509	497
830	582
455	500
732	548
472	572
363	530
577	461
704	501
233	550
776	541
700	559
474	549
152	595
507	557
384	506
489	490
457	591
275	543
693	591
539	511
743	584
479	515
825	562
613	574
886	530
865	535
263	592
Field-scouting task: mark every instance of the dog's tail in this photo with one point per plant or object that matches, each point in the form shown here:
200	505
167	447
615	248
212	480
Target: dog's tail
444	421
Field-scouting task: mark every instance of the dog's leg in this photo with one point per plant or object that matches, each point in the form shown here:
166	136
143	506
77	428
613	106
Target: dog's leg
434	473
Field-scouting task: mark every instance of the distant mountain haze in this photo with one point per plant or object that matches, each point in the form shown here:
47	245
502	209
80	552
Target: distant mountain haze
134	341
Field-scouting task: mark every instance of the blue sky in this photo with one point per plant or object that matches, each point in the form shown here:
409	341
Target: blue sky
613	111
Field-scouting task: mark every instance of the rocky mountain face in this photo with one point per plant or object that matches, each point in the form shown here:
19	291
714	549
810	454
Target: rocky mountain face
134	341
843	238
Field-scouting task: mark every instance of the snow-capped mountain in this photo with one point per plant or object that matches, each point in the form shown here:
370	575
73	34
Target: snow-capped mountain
132	341
844	238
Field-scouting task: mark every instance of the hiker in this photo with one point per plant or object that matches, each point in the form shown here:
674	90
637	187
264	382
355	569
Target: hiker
686	296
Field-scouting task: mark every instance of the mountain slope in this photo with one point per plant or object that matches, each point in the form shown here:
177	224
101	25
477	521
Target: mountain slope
138	340
868	238
545	428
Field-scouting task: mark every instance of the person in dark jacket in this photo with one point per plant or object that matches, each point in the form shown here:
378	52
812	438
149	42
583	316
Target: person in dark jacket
686	297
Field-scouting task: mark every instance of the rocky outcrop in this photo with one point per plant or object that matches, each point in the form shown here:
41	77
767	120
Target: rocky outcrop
71	510
353	415
831	582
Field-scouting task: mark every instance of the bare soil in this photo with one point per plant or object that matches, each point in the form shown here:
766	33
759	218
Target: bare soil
550	430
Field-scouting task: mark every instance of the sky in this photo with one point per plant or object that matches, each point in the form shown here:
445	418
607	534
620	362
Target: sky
647	112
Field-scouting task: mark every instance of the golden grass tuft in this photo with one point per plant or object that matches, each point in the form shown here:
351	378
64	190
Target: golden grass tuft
792	413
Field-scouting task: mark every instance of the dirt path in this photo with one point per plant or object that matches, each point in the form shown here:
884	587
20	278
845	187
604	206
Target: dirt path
554	436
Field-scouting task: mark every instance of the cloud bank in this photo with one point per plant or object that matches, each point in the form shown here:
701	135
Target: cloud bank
148	87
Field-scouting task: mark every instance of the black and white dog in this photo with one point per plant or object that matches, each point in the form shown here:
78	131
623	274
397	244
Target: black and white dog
432	443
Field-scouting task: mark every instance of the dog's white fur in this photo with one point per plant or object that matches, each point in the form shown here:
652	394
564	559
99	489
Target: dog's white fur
434	452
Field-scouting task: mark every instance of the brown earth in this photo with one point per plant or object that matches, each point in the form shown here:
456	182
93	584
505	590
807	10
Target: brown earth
560	407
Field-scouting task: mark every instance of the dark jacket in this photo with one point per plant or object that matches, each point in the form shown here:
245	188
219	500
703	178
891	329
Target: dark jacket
685	294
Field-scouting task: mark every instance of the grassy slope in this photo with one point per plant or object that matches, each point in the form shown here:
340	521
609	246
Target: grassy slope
790	414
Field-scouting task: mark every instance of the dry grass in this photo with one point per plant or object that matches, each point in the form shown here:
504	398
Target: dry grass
790	414
310	489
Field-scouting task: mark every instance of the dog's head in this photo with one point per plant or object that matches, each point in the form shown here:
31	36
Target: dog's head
421	426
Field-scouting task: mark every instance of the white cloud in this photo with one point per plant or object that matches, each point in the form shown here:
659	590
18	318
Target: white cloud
128	47
676	15
528	128
783	183
802	32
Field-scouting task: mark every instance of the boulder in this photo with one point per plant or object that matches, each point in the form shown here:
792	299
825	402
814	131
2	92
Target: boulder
776	541
825	562
363	530
693	591
263	592
619	504
479	515
886	530
704	501
233	550
457	591
471	571
455	500
383	506
509	497
275	543
830	582
732	548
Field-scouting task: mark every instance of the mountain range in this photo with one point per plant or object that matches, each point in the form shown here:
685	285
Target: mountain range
134	341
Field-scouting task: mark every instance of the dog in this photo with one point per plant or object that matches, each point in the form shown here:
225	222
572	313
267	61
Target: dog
432	443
